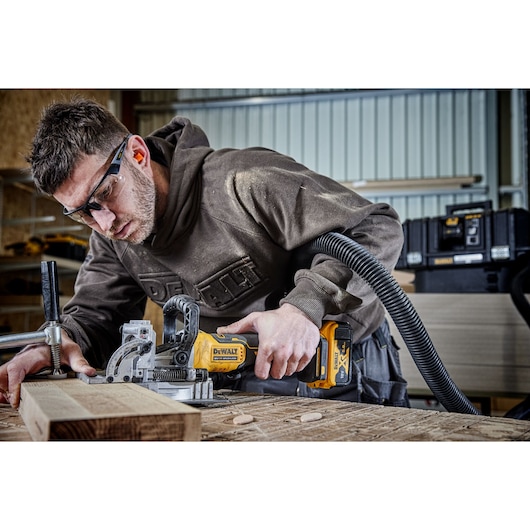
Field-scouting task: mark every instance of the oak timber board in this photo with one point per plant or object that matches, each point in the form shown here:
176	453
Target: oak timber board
70	409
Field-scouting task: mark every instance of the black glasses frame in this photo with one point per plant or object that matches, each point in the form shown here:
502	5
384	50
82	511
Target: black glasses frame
113	169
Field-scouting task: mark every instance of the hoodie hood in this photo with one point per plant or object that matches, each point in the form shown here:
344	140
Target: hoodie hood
181	146
181	131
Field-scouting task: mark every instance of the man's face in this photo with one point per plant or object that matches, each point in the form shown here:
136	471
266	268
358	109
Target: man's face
127	200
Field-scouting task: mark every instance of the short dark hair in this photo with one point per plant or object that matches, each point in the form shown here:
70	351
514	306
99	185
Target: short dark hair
66	132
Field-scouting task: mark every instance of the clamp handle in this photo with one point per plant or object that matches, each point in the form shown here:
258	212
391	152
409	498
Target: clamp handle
50	291
50	296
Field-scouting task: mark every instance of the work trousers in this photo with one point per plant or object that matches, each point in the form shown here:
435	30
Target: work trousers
376	376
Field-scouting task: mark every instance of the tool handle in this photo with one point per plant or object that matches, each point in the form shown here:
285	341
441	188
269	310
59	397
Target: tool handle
50	290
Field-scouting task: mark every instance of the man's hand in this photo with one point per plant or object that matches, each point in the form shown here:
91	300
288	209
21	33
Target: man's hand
287	339
34	358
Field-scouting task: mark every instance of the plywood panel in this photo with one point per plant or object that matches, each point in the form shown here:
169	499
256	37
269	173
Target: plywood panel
481	339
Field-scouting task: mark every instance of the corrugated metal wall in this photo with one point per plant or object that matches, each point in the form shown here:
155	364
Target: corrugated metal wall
380	136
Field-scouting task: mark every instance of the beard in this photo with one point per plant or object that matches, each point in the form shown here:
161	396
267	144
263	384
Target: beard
143	189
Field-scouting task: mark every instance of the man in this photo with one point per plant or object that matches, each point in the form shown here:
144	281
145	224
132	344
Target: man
171	215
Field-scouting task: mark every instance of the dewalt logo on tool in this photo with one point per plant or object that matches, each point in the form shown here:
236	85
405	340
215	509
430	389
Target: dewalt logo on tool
226	354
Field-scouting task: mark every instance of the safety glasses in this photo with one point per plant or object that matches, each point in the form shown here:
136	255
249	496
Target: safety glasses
100	193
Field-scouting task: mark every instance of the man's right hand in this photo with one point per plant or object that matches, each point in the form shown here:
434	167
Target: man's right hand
34	358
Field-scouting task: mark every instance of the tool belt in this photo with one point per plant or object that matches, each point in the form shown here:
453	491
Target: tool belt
377	376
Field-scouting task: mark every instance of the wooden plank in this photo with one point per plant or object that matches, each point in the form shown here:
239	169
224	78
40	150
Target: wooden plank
70	409
472	378
478	308
451	183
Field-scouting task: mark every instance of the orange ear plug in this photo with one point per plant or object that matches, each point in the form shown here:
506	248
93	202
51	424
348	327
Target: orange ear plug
138	157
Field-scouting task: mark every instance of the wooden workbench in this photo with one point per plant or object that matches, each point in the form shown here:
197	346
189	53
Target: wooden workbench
277	418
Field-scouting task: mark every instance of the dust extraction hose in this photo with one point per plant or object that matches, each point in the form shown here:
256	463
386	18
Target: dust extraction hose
403	314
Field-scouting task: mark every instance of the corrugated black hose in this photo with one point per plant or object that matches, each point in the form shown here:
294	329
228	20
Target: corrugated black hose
403	314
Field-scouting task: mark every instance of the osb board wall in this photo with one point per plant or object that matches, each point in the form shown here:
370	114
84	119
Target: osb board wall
20	111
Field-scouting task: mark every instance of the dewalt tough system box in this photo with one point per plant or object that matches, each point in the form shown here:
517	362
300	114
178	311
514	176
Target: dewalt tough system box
470	249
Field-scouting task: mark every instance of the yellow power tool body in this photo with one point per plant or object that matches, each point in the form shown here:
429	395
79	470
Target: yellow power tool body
329	367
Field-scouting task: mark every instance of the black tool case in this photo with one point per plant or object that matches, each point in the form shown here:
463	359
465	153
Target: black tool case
470	249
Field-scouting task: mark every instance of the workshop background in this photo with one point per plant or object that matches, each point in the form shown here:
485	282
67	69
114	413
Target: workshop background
418	150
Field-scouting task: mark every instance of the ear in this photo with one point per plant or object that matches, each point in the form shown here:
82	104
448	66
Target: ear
139	150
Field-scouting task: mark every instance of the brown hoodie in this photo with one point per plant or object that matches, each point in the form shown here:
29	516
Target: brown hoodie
228	238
